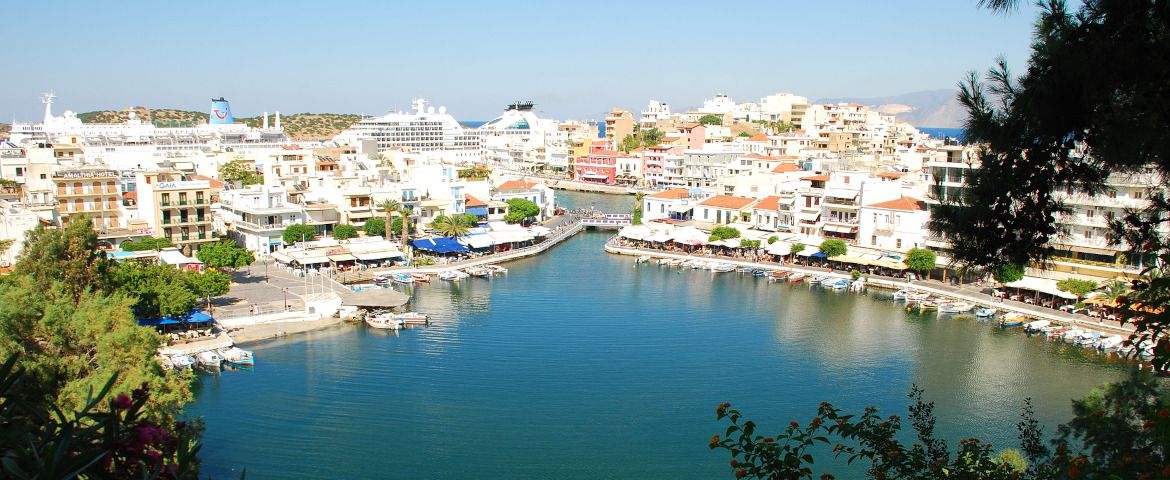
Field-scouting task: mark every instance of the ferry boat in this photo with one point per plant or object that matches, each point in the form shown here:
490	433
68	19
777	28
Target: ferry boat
424	130
237	356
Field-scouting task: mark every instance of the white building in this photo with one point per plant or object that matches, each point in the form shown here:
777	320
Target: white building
424	130
894	225
256	216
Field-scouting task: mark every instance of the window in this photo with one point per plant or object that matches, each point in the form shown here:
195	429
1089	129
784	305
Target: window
898	243
705	211
873	239
20	171
1137	195
1089	212
1088	234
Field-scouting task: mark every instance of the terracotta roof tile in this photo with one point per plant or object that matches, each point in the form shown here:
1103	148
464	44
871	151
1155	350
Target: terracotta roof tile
727	201
770	202
905	203
672	194
516	184
473	202
786	168
759	137
213	182
891	174
817	178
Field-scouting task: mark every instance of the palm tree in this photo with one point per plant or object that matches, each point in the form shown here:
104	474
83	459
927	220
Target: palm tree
451	227
389	206
405	228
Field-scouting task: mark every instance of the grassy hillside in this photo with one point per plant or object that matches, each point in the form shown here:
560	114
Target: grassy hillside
4	129
298	126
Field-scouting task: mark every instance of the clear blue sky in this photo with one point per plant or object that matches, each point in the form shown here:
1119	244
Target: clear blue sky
575	59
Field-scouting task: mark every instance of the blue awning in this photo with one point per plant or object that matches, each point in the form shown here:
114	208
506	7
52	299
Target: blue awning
196	316
818	255
439	245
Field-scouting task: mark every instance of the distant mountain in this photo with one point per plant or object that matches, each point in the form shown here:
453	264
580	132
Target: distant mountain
930	108
298	126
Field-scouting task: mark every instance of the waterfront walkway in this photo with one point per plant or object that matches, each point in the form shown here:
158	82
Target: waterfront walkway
967	293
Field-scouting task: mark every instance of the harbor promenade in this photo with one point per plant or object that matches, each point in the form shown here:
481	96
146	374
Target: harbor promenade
967	293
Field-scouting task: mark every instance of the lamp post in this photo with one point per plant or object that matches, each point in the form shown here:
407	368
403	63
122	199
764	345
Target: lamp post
285	290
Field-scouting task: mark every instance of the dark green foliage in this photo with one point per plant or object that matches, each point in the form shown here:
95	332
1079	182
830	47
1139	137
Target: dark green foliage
752	244
920	260
711	120
68	256
1007	273
798	247
773	239
1076	286
156	290
147	244
453	226
520	210
107	436
636	217
375	227
834	248
1120	431
298	232
225	254
345	232
206	284
723	232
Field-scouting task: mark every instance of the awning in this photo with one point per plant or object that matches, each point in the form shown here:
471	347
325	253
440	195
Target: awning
841	193
372	256
342	257
852	260
594	176
660	236
808	217
539	230
840	229
195	316
680	208
635	232
309	257
889	263
779	248
810	250
477	241
281	257
1042	285
439	245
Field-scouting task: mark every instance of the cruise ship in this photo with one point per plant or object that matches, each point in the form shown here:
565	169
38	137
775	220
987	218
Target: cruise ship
139	142
427	129
520	139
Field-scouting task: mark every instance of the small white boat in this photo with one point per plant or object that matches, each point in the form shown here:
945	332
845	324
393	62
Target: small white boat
494	269
956	307
478	272
1110	343
721	267
384	321
664	261
237	356
796	277
1036	326
857	286
182	361
420	277
452	275
985	312
412	318
901	294
209	359
403	278
643	259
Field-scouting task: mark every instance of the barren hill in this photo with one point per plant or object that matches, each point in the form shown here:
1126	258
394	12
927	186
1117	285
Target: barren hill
298	126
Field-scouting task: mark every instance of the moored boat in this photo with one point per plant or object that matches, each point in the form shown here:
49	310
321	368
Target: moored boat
721	267
495	269
237	356
923	306
1036	326
985	312
452	275
384	321
781	275
796	277
643	259
181	360
956	307
477	272
209	359
403	278
412	318
420	277
1011	320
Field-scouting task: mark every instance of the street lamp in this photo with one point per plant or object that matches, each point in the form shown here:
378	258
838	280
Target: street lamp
285	290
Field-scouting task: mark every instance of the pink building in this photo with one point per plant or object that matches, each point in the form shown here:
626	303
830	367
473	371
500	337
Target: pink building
695	133
598	166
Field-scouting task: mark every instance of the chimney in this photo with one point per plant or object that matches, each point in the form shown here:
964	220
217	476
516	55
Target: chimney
266	120
278	119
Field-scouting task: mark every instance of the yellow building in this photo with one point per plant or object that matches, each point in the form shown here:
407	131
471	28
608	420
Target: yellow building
92	192
177	208
618	125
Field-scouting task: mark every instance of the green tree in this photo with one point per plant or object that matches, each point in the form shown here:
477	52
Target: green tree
69	256
744	134
375	227
239	171
752	244
630	142
298	232
225	254
345	232
1007	273
206	284
636	218
147	244
711	120
920	260
521	210
1076	286
404	219
156	290
723	232
773	239
834	248
390	207
797	247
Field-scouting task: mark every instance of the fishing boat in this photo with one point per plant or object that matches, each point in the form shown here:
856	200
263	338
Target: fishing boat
209	359
643	259
403	278
901	294
745	270
664	261
759	272
956	307
412	318
181	360
495	269
985	312
815	279
923	306
1011	320
1036	326
857	285
917	296
452	275
420	277
381	281
384	321
840	284
781	275
721	267
796	277
237	356
1110	343
477	272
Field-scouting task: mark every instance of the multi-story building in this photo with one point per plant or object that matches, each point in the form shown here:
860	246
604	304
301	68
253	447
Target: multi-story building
675	203
654	113
724	209
895	225
618	125
257	216
599	166
177	208
91	192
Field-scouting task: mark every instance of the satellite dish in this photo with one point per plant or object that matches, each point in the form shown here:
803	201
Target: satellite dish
442	110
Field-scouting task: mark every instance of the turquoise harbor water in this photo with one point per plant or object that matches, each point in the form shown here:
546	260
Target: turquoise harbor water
577	364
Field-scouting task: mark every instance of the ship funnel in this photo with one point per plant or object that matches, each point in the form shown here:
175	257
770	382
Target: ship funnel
221	112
